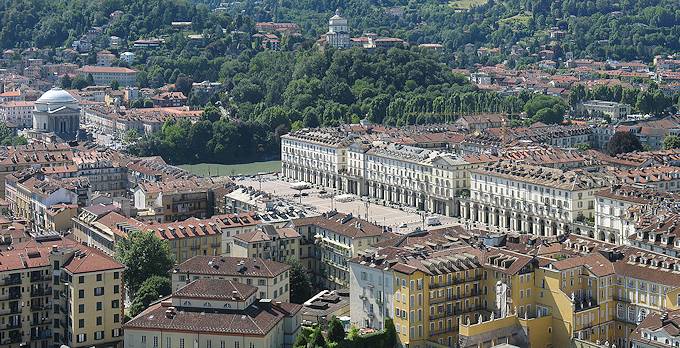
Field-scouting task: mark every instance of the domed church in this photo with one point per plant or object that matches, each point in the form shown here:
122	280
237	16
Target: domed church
57	112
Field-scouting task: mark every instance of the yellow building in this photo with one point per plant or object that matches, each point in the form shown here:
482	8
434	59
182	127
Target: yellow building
49	287
189	238
455	289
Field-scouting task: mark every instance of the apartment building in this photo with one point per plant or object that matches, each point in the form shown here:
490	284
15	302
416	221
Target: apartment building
659	233
384	171
658	330
530	291
55	291
271	278
664	178
189	238
315	156
39	199
329	241
173	200
532	199
18	113
215	313
102	227
105	75
267	242
234	224
618	211
41	155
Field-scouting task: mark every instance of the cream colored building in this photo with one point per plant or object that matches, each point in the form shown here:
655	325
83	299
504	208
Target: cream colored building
329	241
215	313
315	156
531	199
271	278
267	242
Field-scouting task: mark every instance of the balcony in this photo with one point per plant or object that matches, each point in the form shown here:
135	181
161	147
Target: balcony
10	281
40	307
586	304
41	292
40	278
10	326
456	282
9	311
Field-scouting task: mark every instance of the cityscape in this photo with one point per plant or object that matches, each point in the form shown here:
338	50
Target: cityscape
339	174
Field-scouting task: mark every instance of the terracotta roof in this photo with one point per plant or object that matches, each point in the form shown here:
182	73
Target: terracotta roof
91	260
668	321
90	69
343	224
216	289
232	266
594	262
256	320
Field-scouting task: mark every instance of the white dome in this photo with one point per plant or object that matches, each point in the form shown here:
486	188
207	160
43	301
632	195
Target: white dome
56	96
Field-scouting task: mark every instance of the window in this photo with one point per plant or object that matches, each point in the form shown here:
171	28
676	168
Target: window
83	337
81	293
99	306
99	291
99	335
99	277
81	323
116	275
116	289
99	320
181	343
116	318
81	308
81	279
115	304
155	341
116	333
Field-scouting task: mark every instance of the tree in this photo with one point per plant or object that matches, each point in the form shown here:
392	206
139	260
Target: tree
66	81
115	85
316	340
90	80
79	82
183	84
336	332
546	109
211	113
145	255
671	142
623	142
391	337
353	333
583	146
151	290
131	136
301	286
300	340
8	137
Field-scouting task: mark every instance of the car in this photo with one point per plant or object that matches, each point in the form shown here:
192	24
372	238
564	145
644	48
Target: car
296	195
403	225
304	194
322	192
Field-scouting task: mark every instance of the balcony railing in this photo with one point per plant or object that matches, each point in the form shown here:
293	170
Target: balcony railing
456	281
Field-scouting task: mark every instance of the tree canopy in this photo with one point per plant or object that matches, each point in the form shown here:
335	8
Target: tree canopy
623	142
145	256
151	290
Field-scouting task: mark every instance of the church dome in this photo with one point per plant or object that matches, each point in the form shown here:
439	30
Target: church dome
56	96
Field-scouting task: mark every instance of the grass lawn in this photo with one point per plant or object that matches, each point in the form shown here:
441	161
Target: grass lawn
520	19
466	4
